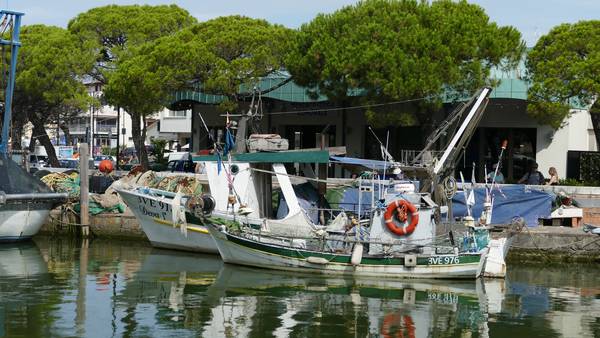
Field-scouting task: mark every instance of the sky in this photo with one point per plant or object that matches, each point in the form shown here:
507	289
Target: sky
533	18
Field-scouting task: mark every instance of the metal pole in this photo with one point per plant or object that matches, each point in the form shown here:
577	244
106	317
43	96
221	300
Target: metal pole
118	135
84	182
91	140
14	44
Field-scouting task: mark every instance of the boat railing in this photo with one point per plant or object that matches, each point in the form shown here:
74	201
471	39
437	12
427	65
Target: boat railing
340	241
327	215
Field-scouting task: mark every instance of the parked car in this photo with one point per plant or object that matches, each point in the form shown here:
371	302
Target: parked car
68	163
186	166
100	158
36	163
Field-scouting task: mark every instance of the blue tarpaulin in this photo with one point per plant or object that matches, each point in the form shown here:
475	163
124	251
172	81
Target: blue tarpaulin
518	201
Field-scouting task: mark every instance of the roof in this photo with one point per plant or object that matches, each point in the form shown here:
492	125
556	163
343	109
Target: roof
512	88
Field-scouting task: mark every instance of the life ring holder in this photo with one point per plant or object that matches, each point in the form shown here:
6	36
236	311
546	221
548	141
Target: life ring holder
401	209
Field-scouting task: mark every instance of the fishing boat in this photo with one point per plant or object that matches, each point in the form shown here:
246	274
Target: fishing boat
171	220
240	180
25	202
397	240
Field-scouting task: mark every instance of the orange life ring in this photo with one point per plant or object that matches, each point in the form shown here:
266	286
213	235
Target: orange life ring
401	323
401	208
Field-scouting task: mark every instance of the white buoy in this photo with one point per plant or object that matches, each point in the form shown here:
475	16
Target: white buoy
316	260
357	254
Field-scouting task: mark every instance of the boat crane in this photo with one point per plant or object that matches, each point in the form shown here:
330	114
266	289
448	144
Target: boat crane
438	176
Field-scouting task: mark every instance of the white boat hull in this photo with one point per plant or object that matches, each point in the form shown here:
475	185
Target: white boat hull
237	250
155	218
20	222
495	265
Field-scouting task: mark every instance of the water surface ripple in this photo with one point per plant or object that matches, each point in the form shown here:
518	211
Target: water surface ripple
60	288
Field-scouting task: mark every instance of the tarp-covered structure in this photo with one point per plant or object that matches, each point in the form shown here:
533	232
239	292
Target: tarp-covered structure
15	180
511	201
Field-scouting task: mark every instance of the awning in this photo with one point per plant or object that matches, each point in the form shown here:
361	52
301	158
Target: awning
369	164
290	156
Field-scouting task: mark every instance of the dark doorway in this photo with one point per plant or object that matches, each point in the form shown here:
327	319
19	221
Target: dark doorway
305	137
485	146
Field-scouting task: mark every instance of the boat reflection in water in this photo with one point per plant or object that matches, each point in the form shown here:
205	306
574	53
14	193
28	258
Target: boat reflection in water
165	276
23	276
21	260
310	305
200	295
61	288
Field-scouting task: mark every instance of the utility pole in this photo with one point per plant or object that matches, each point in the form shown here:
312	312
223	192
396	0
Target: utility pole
84	190
118	135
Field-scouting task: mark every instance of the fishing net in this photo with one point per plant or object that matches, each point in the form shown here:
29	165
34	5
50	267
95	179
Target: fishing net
61	182
187	185
15	180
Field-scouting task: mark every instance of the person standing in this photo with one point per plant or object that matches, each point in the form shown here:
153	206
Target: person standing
533	176
499	176
553	176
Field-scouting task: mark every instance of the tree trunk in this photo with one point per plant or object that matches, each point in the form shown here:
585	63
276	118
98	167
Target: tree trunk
144	153
138	135
32	142
40	132
17	133
65	130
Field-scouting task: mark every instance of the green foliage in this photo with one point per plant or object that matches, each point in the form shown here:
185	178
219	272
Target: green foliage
570	182
159	150
116	34
50	64
401	49
108	151
563	68
221	54
113	30
48	84
589	168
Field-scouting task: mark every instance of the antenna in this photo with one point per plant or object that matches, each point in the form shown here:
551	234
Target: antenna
384	151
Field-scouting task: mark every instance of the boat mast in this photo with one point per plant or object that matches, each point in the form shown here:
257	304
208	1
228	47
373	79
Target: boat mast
14	43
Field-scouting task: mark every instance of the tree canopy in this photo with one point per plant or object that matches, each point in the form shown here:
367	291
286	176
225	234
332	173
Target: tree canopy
564	69
48	83
114	30
116	33
394	50
220	55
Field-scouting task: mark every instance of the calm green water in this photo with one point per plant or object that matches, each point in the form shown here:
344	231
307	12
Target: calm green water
54	288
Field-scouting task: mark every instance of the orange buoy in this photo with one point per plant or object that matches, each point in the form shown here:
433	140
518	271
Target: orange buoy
106	166
401	209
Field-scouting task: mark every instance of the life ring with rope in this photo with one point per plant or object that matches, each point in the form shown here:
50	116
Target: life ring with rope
402	323
401	209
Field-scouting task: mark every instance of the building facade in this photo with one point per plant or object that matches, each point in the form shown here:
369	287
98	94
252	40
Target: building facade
307	122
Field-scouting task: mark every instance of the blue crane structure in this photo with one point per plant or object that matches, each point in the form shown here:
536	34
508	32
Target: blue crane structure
12	20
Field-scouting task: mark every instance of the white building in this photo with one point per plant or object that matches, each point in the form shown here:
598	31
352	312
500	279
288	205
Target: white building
175	126
105	123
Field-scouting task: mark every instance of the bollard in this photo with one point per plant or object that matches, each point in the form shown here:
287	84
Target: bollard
84	182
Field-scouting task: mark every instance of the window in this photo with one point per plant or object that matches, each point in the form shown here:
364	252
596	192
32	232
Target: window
176	113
